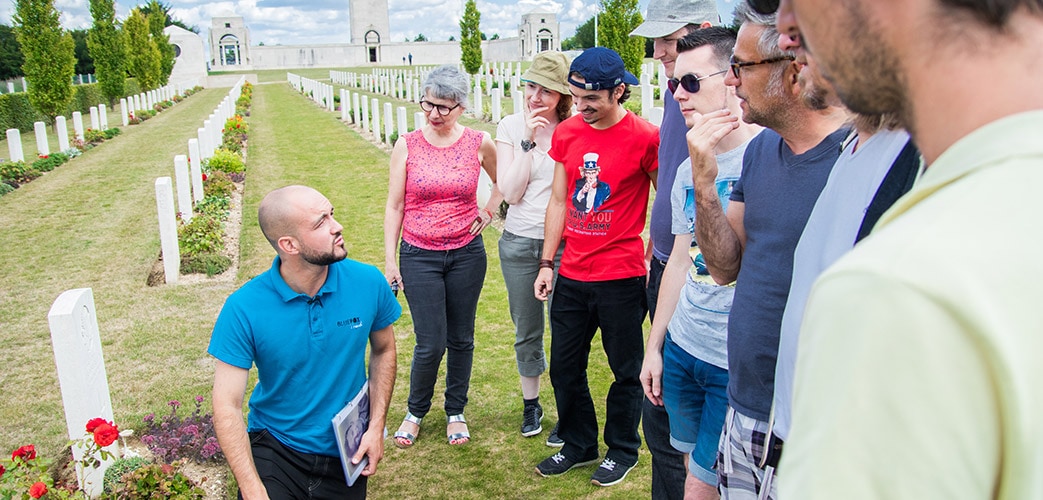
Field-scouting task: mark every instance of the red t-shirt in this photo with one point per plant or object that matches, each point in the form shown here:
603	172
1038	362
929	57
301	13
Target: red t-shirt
607	180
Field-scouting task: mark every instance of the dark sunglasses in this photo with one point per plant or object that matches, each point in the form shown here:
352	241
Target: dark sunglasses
442	110
689	82
738	66
764	6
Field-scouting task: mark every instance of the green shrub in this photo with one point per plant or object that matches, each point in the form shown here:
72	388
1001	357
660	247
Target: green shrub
93	136
18	172
217	183
207	263
131	87
16	112
112	132
202	235
232	144
226	161
120	467
51	162
5	188
158	481
214	206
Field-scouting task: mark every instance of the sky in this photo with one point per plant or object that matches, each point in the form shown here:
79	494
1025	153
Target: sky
296	22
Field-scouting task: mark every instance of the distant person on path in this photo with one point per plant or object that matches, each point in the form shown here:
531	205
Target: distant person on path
665	22
525	171
685	369
601	283
410	58
305	324
432	205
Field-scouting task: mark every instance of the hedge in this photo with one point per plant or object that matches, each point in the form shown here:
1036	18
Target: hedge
16	112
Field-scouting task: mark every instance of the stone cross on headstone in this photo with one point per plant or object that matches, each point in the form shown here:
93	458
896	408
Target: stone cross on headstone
81	374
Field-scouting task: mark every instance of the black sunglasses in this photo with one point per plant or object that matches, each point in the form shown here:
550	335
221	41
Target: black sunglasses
764	6
689	82
737	66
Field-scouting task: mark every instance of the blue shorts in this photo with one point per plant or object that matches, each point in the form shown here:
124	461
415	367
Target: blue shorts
695	394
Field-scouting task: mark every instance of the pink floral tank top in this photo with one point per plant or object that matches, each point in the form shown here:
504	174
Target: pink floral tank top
441	191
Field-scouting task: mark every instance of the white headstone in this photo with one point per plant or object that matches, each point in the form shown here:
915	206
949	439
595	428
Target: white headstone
205	150
656	116
356	116
646	95
374	109
10	87
478	101
41	138
184	187
344	105
77	124
418	120
103	116
403	123
63	132
95	121
73	321
168	229
496	106
123	112
14	144
389	123
365	113
195	169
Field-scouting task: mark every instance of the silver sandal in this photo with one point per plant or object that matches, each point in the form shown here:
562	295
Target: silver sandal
408	436
463	437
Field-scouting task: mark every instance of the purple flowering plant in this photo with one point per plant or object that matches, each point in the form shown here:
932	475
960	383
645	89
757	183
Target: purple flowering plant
174	437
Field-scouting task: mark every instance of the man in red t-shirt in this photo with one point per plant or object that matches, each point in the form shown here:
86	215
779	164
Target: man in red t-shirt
613	154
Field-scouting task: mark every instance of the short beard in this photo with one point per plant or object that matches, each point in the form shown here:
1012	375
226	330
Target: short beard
321	259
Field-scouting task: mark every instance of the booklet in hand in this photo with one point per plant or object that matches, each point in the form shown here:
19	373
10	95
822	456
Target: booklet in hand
348	425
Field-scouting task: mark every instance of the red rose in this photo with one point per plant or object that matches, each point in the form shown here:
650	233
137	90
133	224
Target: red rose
106	434
2	470
37	490
204	177
94	423
27	452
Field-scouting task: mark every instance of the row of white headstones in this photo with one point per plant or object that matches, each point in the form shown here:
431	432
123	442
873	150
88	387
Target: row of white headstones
73	319
189	175
99	117
78	80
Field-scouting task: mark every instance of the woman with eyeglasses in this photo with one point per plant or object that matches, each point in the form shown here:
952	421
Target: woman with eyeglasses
432	205
525	175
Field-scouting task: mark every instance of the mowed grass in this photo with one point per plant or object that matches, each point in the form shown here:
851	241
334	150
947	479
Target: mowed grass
99	229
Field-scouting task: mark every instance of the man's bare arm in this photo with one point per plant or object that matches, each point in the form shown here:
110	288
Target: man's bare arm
229	391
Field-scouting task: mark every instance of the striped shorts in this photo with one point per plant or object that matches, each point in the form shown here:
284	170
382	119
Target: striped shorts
739	454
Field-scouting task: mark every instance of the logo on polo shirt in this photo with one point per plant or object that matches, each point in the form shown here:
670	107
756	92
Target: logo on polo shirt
352	322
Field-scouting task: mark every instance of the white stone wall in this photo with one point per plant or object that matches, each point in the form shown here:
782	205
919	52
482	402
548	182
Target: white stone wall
190	66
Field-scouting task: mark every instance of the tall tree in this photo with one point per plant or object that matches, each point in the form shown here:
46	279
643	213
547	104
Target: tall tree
50	62
106	45
10	54
618	18
471	38
583	39
84	61
169	19
157	20
143	57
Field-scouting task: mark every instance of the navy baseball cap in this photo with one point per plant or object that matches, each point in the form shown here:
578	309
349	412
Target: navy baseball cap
601	69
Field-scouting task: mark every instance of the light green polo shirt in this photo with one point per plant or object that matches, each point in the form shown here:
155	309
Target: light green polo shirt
920	366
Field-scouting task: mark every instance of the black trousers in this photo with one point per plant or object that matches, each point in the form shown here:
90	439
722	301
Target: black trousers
288	474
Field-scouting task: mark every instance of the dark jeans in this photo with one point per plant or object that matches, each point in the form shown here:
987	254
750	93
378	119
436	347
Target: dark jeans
578	310
668	473
288	474
442	289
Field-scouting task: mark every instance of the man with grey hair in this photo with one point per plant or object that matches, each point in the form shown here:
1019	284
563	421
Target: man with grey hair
918	376
784	169
665	22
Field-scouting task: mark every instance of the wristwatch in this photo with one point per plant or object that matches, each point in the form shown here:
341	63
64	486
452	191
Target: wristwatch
527	145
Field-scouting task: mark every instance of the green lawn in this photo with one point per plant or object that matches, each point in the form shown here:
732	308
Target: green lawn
92	223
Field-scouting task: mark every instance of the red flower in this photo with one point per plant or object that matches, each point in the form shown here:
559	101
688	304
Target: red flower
37	490
27	452
204	177
2	470
94	423
106	434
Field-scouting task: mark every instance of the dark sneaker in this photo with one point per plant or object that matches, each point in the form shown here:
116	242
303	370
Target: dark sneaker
531	417
558	464
553	440
610	472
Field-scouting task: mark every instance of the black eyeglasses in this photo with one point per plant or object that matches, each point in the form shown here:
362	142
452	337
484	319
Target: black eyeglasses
737	66
689	82
764	6
442	110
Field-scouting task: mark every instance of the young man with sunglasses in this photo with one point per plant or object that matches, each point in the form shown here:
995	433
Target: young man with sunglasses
665	22
601	281
686	363
919	359
784	170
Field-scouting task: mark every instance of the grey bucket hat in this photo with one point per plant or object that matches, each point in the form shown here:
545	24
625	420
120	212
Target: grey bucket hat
667	16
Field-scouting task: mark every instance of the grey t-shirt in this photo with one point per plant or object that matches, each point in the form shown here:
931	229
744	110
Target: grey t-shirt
700	321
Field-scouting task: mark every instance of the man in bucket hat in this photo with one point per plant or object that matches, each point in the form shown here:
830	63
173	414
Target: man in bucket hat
602	277
666	21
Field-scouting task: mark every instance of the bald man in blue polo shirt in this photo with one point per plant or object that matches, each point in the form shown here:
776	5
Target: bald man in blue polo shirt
304	324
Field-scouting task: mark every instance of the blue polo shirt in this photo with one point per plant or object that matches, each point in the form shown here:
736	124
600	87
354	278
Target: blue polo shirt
309	352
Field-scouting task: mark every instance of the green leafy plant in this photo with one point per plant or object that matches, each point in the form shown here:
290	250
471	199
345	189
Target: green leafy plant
226	161
158	481
46	163
18	172
217	183
111	132
5	188
93	136
216	206
203	234
120	467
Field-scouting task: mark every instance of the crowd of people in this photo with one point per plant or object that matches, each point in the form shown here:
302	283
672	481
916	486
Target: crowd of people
820	326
